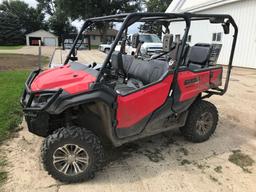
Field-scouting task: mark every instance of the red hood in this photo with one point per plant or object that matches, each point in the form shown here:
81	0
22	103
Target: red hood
72	81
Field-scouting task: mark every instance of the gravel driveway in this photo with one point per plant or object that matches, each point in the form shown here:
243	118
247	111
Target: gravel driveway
164	162
32	50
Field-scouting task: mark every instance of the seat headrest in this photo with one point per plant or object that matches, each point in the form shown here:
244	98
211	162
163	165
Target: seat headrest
117	61
199	54
167	42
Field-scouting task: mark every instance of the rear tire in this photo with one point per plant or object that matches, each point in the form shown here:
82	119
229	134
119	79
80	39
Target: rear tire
76	148
201	122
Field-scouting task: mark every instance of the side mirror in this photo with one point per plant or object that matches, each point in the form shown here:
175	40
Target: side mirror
226	27
74	52
135	40
128	42
73	58
167	42
74	55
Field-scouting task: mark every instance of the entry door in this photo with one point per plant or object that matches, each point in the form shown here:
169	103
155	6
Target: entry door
134	107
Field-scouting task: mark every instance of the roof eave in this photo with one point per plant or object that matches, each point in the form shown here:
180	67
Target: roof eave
206	6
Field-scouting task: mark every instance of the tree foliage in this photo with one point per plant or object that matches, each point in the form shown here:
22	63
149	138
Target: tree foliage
154	6
18	19
11	31
84	9
59	21
157	5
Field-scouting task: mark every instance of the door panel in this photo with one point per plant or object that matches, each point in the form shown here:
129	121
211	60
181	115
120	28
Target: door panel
216	78
134	107
192	83
49	41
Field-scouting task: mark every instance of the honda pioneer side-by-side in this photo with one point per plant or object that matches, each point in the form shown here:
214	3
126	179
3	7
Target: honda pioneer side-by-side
80	108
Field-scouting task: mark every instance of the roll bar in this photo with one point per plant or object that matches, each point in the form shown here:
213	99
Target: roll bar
129	19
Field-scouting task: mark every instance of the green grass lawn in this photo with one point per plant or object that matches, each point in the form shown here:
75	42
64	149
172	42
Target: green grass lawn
11	47
94	46
11	86
14	70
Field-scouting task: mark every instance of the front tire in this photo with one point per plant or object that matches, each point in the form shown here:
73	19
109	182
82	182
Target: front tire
72	154
201	122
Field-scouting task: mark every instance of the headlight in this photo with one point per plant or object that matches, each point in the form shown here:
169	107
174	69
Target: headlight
41	99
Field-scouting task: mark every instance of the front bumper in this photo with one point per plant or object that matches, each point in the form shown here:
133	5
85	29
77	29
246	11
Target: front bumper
35	113
28	95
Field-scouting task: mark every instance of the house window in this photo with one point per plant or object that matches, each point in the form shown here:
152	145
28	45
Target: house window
189	39
93	37
177	38
216	37
219	36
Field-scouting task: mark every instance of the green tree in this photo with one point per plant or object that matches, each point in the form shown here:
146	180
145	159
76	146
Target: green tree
11	31
61	26
155	6
59	22
18	19
84	9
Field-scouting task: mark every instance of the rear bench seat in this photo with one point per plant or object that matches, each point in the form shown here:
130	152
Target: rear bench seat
138	72
199	56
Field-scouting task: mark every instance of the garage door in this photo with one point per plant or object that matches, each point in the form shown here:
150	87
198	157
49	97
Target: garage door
49	41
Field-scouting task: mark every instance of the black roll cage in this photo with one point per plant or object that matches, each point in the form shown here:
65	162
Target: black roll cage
129	19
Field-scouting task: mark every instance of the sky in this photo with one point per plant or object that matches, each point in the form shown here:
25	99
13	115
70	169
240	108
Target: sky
32	3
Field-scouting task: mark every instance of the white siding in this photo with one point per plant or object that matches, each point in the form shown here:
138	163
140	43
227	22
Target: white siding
244	13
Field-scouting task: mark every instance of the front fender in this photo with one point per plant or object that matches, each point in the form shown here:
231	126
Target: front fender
65	102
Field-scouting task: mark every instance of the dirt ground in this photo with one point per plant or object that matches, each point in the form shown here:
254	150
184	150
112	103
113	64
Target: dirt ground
84	56
32	50
164	162
19	62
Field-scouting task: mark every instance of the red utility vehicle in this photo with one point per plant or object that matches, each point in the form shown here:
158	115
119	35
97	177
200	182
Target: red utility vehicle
80	108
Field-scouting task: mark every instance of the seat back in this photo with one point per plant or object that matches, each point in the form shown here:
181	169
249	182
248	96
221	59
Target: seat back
145	71
167	43
199	55
117	62
176	52
127	62
148	71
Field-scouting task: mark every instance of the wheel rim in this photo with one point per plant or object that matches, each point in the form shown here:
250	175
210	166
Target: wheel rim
204	123
70	159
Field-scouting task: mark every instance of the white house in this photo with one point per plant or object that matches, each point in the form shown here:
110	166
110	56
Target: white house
244	14
47	38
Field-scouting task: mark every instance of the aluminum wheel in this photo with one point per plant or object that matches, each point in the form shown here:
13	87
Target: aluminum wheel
70	159
204	123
